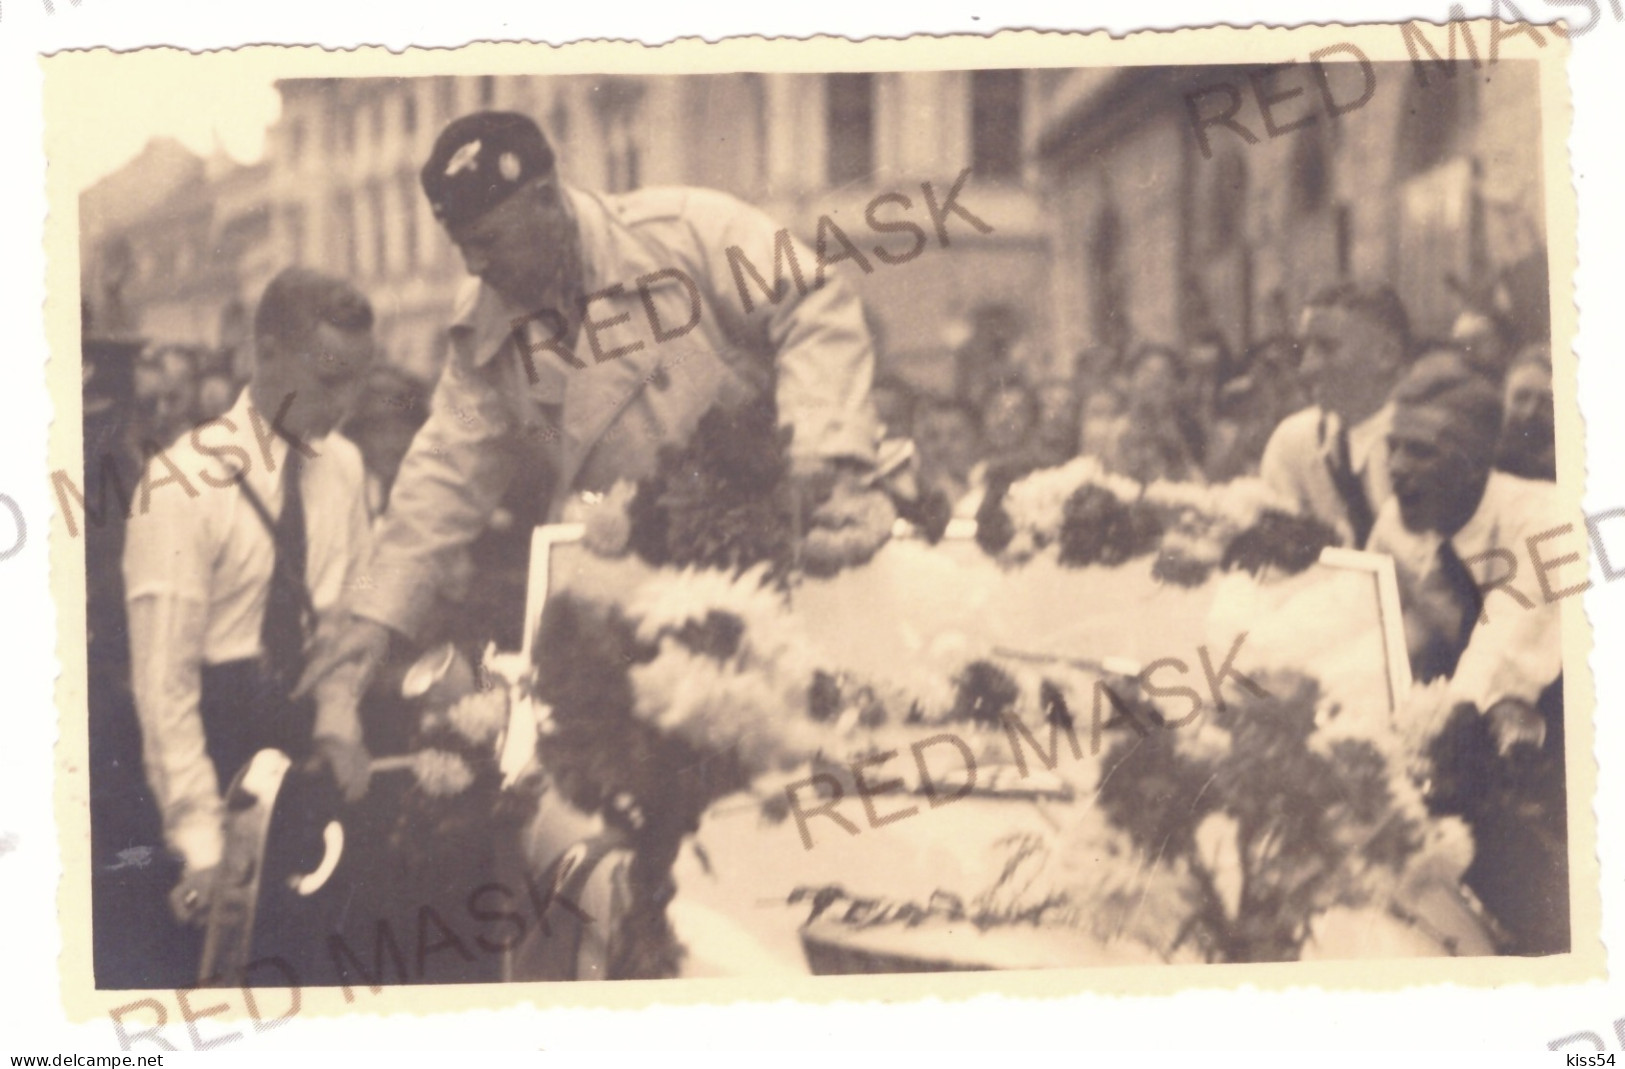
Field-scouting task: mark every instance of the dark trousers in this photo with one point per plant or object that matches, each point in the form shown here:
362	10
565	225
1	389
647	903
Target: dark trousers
242	715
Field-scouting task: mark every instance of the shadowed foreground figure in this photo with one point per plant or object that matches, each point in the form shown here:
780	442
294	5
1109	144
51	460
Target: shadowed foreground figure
594	331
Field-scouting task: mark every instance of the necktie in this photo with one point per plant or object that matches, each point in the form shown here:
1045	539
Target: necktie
282	636
1346	481
1455	578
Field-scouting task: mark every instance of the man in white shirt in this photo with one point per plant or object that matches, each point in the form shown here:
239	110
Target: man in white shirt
1448	503
1455	529
1329	459
247	530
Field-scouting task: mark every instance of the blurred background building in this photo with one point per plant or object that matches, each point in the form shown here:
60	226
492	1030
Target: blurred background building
1433	184
189	243
1111	224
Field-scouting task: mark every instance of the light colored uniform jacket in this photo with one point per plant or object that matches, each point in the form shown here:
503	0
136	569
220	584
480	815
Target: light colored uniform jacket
679	315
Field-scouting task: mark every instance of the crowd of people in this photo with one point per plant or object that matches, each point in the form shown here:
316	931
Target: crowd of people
1202	413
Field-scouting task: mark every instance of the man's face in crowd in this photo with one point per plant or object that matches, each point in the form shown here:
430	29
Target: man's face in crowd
513	248
1436	483
1349	361
1100	414
214	396
1476	335
1154	388
1529	403
1058	416
323	377
384	443
1008	420
947	442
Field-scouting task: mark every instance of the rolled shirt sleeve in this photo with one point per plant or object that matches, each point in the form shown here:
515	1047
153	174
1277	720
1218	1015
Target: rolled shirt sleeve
1516	650
1516	653
166	583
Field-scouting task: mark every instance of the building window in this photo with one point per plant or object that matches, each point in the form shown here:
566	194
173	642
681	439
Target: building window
296	142
294	224
377	123
380	229
849	102
488	90
344	217
1226	201
1108	294
618	104
558	120
409	111
447	91
621	158
409	221
1311	171
996	124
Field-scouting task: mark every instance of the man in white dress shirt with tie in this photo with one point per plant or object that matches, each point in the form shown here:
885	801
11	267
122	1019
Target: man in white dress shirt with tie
249	528
1457	530
1330	460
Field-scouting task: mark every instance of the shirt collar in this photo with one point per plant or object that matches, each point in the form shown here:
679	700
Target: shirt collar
243	415
1478	533
1366	438
253	432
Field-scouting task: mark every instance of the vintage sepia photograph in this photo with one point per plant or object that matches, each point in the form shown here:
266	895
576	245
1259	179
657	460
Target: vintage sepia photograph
540	523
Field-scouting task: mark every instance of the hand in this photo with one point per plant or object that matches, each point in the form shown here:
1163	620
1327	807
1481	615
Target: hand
349	762
1514	722
357	639
848	526
192	896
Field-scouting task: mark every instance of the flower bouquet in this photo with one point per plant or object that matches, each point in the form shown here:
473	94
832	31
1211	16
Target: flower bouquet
1230	838
1091	516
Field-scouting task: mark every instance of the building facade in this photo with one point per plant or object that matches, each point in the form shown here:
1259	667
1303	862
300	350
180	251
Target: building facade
344	159
173	246
1171	225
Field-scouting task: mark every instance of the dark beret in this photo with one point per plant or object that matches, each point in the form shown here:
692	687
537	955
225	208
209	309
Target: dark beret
479	160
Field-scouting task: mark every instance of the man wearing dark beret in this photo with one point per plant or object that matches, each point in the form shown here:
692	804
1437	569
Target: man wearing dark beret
594	331
1457	530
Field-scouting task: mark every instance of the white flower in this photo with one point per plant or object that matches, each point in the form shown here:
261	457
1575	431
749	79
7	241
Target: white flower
481	716
755	711
441	773
607	522
1243	502
673	598
1036	504
1178	496
1447	850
